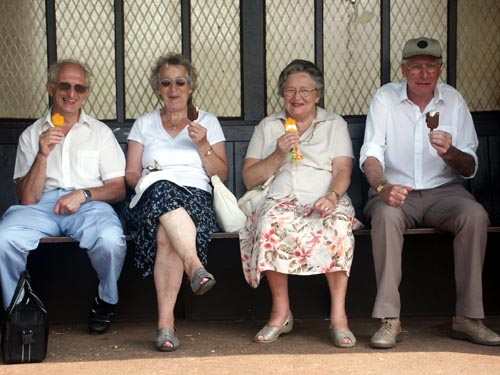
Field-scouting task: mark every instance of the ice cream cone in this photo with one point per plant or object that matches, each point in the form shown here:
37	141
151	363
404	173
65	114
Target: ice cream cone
57	120
291	127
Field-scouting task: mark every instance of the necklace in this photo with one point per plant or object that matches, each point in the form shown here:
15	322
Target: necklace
169	123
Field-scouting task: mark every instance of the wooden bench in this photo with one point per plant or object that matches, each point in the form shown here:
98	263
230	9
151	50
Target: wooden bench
427	287
426	259
227	235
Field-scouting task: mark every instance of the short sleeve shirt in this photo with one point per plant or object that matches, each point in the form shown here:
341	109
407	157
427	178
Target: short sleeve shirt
177	156
308	179
88	155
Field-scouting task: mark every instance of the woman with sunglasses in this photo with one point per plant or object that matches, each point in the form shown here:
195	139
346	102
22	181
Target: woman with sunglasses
304	226
172	153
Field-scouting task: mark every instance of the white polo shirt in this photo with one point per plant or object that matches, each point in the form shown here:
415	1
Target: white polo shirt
396	134
326	139
88	155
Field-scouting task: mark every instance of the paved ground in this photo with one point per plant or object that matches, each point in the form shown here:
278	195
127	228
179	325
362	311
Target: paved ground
226	348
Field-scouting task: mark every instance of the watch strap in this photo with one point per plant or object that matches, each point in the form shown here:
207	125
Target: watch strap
87	194
209	151
380	187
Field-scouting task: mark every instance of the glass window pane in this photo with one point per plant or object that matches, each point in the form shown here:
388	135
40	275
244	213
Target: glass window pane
411	19
289	36
352	54
152	29
215	50
478	67
23	66
85	31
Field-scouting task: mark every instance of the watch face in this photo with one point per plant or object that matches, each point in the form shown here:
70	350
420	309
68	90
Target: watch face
87	194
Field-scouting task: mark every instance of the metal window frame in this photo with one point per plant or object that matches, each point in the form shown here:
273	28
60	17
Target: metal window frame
253	58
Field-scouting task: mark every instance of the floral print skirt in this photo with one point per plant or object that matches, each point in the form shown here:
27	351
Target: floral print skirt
160	198
283	236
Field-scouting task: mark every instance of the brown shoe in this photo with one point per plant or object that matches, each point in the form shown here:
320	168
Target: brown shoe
474	331
387	335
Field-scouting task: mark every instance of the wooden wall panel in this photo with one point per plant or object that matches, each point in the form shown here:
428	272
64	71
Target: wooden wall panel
494	181
8	190
480	184
240	150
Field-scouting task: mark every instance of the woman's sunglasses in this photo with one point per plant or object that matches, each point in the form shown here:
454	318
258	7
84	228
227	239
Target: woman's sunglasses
180	82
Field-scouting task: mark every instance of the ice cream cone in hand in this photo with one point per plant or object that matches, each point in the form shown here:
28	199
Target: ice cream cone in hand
57	120
291	127
432	120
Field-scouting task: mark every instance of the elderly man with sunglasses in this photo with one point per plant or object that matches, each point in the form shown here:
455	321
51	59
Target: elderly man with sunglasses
69	167
420	144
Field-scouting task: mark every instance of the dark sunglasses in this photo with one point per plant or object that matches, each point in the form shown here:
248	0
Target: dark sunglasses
178	82
65	86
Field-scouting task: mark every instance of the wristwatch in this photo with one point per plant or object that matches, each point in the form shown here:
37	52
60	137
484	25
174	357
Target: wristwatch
209	151
87	194
380	187
337	195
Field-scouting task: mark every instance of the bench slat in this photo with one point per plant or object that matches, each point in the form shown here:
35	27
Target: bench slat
229	235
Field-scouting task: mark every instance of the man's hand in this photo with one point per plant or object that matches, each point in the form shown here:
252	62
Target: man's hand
49	139
394	195
70	203
441	141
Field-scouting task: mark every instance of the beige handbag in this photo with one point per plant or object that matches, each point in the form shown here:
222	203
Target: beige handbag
229	216
253	199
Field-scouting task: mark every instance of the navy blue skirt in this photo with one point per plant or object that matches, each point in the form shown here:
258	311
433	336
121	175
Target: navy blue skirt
160	198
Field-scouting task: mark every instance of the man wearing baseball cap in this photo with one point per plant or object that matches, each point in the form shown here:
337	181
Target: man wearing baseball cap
420	145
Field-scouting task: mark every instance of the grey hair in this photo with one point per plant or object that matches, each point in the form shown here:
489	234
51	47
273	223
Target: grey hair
55	69
298	66
172	59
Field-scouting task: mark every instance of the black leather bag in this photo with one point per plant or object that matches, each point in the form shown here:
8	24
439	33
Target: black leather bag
25	330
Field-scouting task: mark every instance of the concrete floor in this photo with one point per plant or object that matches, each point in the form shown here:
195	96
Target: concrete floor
227	348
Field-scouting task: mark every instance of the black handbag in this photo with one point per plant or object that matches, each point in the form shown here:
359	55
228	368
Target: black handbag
25	330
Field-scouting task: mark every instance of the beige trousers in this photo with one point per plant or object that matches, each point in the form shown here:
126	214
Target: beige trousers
449	208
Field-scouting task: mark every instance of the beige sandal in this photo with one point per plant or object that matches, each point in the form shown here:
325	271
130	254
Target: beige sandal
339	336
270	333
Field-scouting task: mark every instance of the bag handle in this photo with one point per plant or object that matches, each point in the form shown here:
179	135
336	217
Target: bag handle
20	292
23	293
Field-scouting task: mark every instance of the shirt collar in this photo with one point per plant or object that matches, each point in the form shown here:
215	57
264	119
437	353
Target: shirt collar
438	94
403	94
321	115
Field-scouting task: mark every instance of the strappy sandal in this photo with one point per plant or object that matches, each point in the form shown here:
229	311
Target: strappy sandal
197	285
339	337
165	336
270	333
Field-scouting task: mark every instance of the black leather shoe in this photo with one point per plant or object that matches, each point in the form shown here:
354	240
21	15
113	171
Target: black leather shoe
101	315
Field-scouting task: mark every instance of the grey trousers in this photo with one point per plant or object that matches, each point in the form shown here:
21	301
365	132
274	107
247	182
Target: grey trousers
450	208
